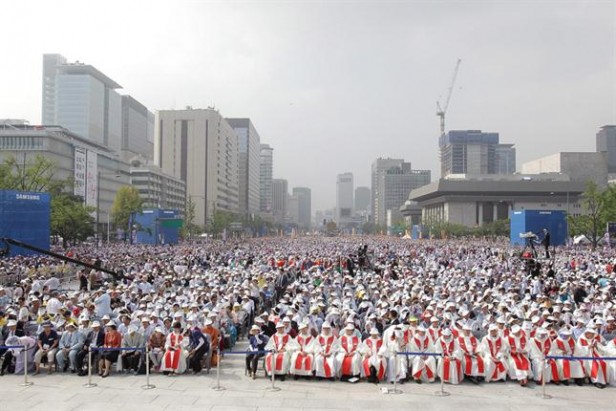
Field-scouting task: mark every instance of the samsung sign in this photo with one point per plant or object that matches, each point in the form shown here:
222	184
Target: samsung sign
34	197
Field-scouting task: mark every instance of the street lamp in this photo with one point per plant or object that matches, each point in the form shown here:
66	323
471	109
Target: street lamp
98	202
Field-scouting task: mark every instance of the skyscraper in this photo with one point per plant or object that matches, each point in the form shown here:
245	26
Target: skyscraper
395	185
304	206
606	142
362	199
83	100
474	152
344	197
249	158
379	166
200	148
280	194
266	169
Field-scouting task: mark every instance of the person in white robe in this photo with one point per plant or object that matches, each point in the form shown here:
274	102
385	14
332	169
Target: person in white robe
327	345
423	366
450	364
519	362
568	370
280	355
494	349
472	361
348	356
397	365
541	346
373	360
589	345
174	359
302	359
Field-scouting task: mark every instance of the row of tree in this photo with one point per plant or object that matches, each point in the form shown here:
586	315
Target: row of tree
71	219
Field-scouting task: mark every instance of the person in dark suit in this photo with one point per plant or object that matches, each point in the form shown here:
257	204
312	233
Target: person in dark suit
95	338
546	242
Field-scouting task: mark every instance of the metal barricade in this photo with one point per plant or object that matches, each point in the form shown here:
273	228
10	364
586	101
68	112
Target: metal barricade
24	350
544	394
272	388
441	392
147	386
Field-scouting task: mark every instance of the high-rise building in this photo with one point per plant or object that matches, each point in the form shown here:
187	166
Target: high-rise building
474	152
266	170
505	159
82	99
362	200
606	142
393	187
249	158
344	197
137	130
200	148
280	194
379	166
304	206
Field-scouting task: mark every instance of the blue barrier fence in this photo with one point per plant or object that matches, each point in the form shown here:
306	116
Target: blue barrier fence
117	348
8	347
560	357
247	352
420	354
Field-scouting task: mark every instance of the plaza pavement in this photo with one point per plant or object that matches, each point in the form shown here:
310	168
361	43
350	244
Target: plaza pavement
187	392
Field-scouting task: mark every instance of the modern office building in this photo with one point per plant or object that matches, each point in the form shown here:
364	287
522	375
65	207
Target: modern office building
475	152
606	142
199	147
137	131
379	166
303	197
82	99
157	189
266	169
280	195
392	186
345	203
249	158
362	200
96	172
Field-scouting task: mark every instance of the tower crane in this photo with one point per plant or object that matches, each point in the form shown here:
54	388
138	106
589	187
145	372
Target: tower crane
442	110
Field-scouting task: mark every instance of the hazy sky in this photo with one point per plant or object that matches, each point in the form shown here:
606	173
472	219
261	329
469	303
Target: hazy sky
332	85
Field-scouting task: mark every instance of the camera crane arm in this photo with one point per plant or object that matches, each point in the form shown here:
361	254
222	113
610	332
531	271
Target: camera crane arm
64	258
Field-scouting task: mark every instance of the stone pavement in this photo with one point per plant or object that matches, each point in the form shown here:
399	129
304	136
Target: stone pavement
187	392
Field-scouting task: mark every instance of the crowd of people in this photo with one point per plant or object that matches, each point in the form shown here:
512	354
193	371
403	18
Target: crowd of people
378	309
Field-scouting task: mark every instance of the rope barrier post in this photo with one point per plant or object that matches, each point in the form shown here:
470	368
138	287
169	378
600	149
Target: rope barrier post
147	385
218	386
395	390
26	382
442	392
90	384
543	393
273	388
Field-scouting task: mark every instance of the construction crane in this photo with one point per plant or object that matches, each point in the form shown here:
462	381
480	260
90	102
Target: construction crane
442	110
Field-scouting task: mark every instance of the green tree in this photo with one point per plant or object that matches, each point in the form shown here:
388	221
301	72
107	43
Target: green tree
189	228
38	174
596	214
127	201
71	219
221	221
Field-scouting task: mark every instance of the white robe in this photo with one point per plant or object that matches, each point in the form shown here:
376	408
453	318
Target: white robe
349	357
494	353
472	362
279	343
596	370
396	362
567	369
325	361
302	359
519	361
174	359
372	351
423	367
450	365
538	350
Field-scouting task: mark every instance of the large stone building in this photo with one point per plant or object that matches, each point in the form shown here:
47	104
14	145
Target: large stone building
280	197
200	148
606	143
579	166
478	200
300	206
345	190
249	146
157	189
